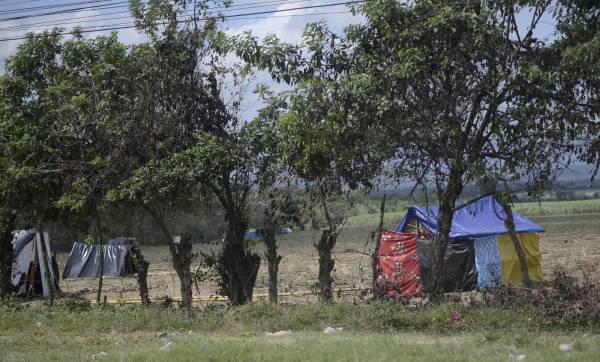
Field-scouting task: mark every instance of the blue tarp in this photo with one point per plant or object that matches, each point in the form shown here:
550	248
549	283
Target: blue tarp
253	234
481	218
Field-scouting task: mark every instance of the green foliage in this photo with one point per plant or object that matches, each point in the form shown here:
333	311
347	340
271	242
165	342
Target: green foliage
579	72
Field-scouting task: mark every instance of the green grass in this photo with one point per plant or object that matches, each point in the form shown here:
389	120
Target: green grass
558	207
569	223
529	209
258	317
313	346
377	331
390	219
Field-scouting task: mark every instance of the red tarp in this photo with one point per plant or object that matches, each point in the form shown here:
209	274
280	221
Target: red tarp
398	269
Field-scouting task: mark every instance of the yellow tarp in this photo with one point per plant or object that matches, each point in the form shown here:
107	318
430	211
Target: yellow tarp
511	269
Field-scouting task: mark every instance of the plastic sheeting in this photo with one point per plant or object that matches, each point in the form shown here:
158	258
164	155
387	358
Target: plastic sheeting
254	234
484	217
511	268
84	261
459	273
22	256
487	262
34	269
398	264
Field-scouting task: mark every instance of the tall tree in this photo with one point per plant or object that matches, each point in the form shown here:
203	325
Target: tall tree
72	98
177	94
28	143
578	25
458	91
212	150
465	91
327	139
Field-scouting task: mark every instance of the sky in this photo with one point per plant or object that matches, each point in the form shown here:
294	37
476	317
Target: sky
286	24
279	17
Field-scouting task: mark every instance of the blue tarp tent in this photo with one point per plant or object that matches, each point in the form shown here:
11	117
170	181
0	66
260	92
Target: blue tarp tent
253	234
481	218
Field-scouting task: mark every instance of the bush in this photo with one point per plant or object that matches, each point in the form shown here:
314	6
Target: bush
76	304
562	301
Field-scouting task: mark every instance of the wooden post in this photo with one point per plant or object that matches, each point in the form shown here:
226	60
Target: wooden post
377	292
510	226
100	272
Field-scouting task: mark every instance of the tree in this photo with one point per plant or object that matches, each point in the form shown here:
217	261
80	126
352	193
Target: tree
279	208
219	155
327	139
73	96
578	23
464	93
27	144
177	95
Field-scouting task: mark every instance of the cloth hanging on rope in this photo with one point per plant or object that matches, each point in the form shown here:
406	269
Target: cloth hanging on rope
487	262
511	268
398	266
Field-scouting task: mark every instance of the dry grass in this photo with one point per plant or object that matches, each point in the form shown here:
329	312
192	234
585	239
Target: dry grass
571	242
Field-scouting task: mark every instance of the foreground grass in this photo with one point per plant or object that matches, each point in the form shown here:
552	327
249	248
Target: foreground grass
377	331
305	346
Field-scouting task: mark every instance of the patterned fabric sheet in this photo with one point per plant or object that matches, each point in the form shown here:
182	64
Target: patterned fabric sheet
398	264
487	262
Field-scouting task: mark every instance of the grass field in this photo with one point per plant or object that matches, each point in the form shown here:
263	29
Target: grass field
300	347
529	209
571	240
378	331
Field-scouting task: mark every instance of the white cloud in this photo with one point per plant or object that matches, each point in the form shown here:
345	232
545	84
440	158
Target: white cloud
289	25
86	19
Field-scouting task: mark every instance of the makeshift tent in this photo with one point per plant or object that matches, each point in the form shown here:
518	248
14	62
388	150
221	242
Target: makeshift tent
484	217
480	253
254	234
84	260
34	270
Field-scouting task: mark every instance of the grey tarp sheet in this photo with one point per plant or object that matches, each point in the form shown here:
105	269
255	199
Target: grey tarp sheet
459	273
84	261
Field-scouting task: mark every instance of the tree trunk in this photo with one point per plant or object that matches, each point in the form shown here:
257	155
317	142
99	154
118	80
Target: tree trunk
100	272
325	247
7	225
377	292
240	264
181	257
273	261
326	264
184	254
444	224
510	226
142	275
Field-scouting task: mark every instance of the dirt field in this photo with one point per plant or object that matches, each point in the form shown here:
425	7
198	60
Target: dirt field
571	241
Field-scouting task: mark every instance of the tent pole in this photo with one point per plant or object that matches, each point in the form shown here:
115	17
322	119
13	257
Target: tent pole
101	263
